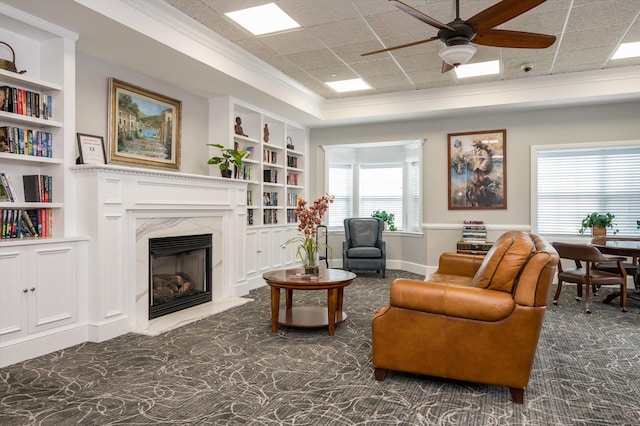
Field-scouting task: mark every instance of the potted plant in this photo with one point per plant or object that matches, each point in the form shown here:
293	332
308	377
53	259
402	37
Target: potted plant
599	222
229	156
386	217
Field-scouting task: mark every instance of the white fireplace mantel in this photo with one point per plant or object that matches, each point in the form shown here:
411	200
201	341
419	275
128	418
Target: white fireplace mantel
121	207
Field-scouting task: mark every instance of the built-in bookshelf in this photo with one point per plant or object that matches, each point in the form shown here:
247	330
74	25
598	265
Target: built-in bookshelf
275	166
32	127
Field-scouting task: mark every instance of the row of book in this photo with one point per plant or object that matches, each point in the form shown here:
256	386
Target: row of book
243	172
270	176
16	140
291	216
474	231
37	188
269	216
292	199
25	102
270	199
292	179
270	156
17	223
292	161
249	217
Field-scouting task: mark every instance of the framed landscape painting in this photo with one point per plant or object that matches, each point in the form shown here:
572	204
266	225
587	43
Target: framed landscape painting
477	170
144	127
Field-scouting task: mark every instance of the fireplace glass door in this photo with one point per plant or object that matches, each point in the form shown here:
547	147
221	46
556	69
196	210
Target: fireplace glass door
179	273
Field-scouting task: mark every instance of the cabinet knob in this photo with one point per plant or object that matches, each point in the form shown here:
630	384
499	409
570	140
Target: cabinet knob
32	289
258	251
24	290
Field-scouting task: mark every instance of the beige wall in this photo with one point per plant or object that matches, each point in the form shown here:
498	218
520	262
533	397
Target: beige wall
610	122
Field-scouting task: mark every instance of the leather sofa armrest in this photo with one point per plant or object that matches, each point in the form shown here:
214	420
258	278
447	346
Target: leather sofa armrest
451	300
459	264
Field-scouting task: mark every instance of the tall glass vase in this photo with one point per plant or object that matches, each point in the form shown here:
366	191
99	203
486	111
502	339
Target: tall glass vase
311	259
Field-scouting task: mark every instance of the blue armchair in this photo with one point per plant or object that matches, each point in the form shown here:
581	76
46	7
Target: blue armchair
363	248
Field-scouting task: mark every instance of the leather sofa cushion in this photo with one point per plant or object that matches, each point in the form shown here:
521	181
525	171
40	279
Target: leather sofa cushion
504	261
451	300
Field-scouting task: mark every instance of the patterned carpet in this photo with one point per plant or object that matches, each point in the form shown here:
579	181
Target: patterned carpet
229	369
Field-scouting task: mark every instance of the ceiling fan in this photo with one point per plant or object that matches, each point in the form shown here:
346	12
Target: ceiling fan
479	29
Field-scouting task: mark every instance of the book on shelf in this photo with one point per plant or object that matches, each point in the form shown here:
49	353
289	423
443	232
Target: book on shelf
18	223
250	150
25	102
18	140
6	188
270	176
37	188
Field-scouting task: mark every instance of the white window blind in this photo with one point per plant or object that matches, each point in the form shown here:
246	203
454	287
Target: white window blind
381	189
340	185
573	183
414	200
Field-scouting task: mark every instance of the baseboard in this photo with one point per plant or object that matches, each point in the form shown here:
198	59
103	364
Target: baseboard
36	346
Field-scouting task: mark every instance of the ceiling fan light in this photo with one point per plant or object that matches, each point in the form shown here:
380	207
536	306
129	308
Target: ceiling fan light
458	54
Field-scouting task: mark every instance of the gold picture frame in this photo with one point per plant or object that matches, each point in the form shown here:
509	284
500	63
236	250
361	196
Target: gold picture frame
144	127
477	170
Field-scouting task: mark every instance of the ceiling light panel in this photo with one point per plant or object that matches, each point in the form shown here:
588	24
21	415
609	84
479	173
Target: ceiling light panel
265	19
351	85
627	50
478	69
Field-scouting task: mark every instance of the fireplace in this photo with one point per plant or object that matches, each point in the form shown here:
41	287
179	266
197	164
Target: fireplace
179	273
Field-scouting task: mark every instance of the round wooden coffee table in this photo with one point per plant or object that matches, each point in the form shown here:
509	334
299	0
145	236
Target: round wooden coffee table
332	280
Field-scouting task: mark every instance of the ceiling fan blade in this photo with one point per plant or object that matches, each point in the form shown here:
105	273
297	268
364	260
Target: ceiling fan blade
413	43
419	15
515	39
446	67
501	12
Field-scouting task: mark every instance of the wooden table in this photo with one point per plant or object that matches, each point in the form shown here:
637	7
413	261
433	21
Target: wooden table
619	246
332	280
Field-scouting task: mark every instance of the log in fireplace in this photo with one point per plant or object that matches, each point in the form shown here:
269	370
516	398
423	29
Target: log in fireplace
179	273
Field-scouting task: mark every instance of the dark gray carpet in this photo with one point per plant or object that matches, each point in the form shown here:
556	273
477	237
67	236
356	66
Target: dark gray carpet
230	369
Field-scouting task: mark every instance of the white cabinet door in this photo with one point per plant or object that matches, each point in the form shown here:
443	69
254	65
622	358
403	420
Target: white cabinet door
264	250
14	293
276	249
54	289
252	253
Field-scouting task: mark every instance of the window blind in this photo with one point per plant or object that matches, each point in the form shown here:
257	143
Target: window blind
341	186
573	183
381	188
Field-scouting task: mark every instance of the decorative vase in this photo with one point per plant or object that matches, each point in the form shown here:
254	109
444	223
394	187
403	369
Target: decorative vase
598	232
312	264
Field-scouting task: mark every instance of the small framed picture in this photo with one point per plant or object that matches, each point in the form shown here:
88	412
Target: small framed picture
91	149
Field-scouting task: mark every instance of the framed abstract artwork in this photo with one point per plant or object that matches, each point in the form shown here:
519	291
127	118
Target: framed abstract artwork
477	170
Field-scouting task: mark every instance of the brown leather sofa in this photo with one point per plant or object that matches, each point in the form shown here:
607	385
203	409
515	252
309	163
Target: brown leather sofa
475	319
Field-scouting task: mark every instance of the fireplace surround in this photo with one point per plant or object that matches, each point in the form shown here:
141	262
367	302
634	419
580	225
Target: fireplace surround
124	207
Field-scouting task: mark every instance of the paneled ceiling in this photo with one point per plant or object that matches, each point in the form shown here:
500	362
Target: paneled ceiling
334	34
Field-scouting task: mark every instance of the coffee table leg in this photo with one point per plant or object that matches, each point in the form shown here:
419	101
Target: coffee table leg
332	303
289	299
275	308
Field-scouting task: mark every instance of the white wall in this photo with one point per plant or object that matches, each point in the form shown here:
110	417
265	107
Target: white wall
92	108
610	122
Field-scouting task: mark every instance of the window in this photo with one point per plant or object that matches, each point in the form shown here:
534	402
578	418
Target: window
340	185
574	182
381	189
365	178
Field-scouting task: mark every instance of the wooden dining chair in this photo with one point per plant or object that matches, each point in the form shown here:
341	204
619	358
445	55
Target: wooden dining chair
585	257
630	264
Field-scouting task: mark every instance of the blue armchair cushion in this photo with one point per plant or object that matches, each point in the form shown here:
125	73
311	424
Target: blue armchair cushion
364	252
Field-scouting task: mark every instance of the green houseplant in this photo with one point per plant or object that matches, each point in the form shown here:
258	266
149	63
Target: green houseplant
229	157
598	220
386	217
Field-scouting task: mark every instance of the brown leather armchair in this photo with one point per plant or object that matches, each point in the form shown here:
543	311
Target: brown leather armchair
476	319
